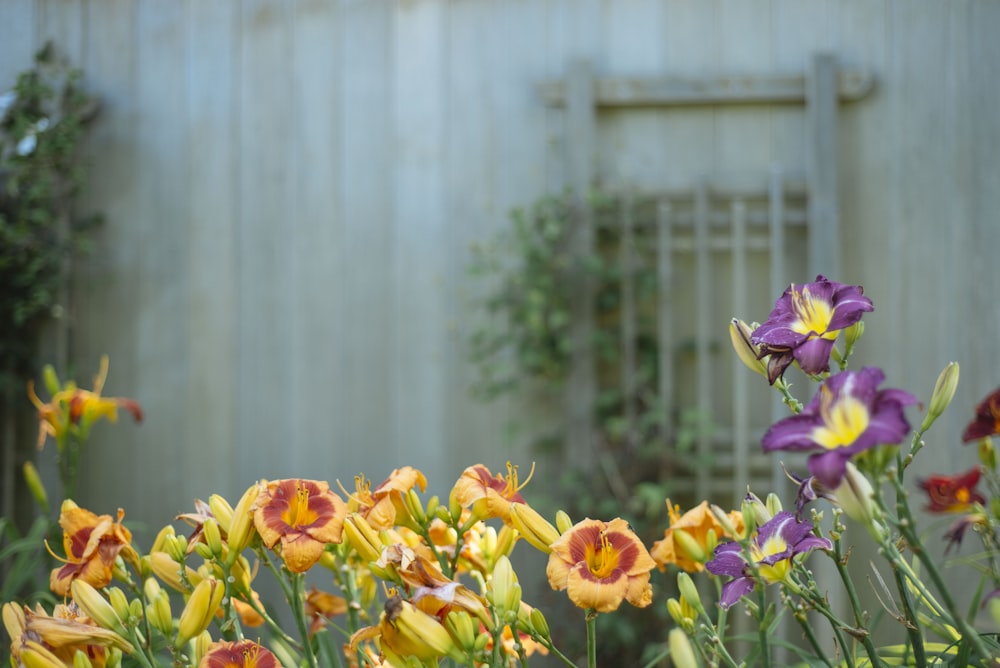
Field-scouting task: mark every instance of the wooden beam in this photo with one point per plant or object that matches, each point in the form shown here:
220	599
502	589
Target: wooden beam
675	91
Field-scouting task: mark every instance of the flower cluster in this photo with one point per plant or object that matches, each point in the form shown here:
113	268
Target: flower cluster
416	581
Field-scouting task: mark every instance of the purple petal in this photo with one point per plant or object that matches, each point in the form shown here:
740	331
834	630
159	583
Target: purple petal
728	560
849	305
791	433
829	466
734	590
814	355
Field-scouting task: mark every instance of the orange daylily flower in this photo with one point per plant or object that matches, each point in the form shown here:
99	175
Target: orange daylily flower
379	506
488	495
239	654
73	410
321	606
695	524
92	543
62	633
303	515
601	564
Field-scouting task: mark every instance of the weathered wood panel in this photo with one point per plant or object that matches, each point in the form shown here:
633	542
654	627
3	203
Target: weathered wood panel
290	190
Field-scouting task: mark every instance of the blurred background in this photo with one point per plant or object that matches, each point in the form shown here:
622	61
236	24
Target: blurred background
292	193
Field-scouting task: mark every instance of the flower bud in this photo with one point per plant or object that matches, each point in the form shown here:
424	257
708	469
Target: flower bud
506	592
414	507
681	652
51	379
135	611
36	487
739	334
119	602
35	655
533	527
722	517
689	546
505	541
241	529
773	504
204	551
169	571
221	511
96	606
160	543
213	537
81	660
158	608
853	334
176	547
944	392
462	629
755	513
433	504
362	537
199	610
685	585
203	641
539	623
563	521
854	495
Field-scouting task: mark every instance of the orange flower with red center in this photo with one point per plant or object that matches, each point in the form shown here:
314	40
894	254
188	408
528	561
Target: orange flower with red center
239	654
600	564
488	495
74	410
379	506
322	606
303	515
952	493
92	543
686	543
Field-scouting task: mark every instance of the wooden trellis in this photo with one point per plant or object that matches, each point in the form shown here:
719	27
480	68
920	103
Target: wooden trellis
694	226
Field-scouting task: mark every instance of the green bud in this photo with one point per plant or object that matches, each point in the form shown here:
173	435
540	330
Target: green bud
689	546
773	504
689	591
81	660
213	537
119	602
35	486
853	334
563	522
204	551
944	392
51	379
539	623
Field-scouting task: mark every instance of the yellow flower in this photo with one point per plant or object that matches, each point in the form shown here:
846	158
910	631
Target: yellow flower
489	495
72	410
690	551
303	515
601	564
92	543
61	634
378	506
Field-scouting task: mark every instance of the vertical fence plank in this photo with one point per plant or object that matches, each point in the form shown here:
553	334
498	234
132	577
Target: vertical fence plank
776	232
664	304
703	327
821	165
628	318
580	149
741	407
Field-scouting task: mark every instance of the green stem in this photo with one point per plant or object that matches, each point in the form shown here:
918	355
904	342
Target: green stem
297	604
591	638
912	624
139	642
807	629
547	642
852	595
764	641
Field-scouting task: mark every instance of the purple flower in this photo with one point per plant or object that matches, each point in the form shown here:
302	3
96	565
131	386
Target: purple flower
772	550
847	415
804	324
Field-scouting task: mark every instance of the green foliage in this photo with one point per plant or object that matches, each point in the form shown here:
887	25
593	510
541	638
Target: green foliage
41	126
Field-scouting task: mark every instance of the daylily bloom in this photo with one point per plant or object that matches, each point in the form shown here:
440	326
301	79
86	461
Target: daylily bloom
804	325
846	416
72	410
239	654
952	494
62	633
601	564
489	496
322	606
379	506
689	531
303	515
772	549
987	420
956	532
92	543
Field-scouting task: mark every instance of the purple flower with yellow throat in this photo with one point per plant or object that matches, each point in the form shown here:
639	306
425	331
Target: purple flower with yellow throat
772	551
804	325
848	415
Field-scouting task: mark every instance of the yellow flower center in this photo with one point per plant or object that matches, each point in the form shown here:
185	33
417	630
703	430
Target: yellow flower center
843	421
814	315
250	655
364	491
962	495
774	545
299	514
602	561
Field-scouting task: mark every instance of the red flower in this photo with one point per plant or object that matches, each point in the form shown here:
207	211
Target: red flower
952	494
987	420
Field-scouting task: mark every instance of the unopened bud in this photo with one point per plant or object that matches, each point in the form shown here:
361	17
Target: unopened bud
96	606
199	610
176	547
221	511
81	660
213	537
160	542
773	504
681	652
853	334
204	551
119	602
241	529
688	591
462	629
722	517
689	546
505	541
539	623
362	537
35	655
506	592
987	453
533	527
36	487
563	521
51	379
739	334
944	392
414	507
